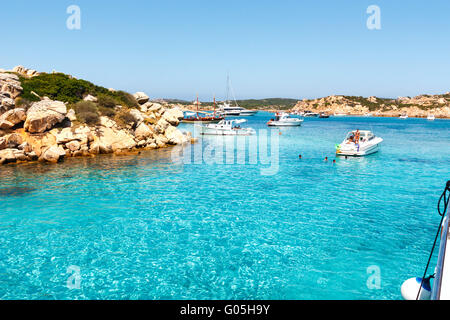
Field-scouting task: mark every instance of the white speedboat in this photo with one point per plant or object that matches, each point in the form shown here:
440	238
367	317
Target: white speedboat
431	117
359	143
226	128
404	116
340	115
284	120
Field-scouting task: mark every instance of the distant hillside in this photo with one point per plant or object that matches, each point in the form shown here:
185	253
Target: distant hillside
260	104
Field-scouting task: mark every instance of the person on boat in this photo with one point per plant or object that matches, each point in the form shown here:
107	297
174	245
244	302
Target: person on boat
357	136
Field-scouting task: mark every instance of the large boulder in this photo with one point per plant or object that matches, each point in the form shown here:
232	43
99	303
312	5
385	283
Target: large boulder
90	98
173	116
161	126
44	115
70	134
6	103
175	136
7	155
10	84
109	140
138	118
12	117
25	71
53	153
142	132
141	97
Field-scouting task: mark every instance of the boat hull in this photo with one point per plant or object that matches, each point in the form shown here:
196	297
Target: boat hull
285	124
359	153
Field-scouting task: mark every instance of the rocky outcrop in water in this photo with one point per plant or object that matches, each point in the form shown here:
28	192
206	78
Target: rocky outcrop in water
47	131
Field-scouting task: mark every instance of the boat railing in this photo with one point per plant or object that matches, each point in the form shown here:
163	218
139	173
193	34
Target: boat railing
436	291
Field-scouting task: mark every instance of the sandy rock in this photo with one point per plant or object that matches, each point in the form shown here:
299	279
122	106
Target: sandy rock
12	117
44	115
173	116
161	126
141	97
73	145
53	153
90	98
69	134
110	140
175	136
25	71
107	122
14	140
71	115
144	108
142	132
7	155
137	116
3	143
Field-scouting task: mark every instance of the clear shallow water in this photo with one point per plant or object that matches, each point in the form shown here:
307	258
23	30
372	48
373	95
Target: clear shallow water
149	227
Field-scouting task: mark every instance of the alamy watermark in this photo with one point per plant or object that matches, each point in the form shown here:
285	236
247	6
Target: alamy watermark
374	279
73	22
260	149
374	20
74	280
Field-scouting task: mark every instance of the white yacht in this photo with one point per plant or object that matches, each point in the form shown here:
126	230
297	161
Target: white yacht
310	114
228	110
359	143
226	128
431	117
284	120
234	110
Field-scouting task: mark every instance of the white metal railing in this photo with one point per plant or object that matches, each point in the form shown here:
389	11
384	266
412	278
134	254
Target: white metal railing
437	283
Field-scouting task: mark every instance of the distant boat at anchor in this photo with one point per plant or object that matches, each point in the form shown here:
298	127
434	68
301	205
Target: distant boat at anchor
201	116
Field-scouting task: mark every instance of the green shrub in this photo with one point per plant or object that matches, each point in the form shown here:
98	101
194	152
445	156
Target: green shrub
62	87
124	118
107	112
87	112
106	101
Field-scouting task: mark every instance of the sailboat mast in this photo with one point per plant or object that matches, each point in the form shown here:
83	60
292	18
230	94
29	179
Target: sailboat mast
214	106
197	105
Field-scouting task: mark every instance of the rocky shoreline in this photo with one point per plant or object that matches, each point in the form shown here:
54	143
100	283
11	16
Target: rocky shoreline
417	107
47	130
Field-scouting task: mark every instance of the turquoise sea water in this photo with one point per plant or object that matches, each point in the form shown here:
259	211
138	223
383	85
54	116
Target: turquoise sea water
152	227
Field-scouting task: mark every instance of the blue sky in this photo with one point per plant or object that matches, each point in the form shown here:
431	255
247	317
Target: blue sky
296	49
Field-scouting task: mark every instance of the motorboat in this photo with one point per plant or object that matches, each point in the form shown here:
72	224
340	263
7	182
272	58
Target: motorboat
284	120
431	117
226	128
404	116
228	110
359	143
340	114
310	114
234	110
324	115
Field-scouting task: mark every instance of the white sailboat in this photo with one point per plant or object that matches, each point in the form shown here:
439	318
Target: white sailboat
228	109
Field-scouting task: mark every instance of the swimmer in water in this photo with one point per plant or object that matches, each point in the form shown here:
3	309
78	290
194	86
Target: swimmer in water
300	157
326	159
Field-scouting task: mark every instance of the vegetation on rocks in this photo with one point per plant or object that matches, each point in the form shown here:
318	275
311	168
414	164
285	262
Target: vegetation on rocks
62	87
